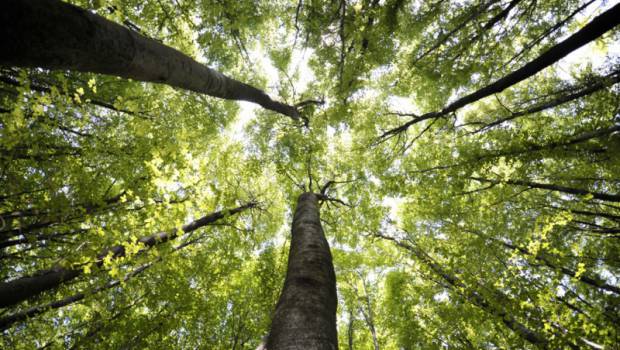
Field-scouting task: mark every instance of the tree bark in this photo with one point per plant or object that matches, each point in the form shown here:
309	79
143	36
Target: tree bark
305	316
500	16
476	298
548	32
350	329
52	34
545	259
600	84
7	321
15	291
368	316
591	31
477	11
48	221
555	188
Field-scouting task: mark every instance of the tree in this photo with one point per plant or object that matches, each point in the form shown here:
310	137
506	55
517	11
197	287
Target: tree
55	35
305	316
467	152
24	288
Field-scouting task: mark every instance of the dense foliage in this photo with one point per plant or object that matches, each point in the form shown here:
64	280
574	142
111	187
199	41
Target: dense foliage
495	226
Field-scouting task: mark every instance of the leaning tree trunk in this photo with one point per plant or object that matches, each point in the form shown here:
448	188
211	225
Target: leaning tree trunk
55	35
532	336
305	316
24	288
600	25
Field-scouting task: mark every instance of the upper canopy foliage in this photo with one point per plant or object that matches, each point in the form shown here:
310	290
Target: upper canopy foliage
494	226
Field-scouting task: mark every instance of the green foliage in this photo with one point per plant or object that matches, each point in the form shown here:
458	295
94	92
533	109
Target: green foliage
504	195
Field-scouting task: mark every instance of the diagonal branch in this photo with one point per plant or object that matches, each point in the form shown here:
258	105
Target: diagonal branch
593	30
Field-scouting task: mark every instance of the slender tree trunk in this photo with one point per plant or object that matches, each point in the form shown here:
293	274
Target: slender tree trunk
368	317
475	298
15	291
477	11
350	330
50	220
305	316
530	149
548	32
55	35
599	84
500	16
546	260
575	191
7	321
591	31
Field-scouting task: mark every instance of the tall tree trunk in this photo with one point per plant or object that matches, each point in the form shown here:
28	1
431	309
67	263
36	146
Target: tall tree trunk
547	260
591	31
15	291
368	316
350	330
305	316
8	321
476	298
599	84
555	188
55	35
477	11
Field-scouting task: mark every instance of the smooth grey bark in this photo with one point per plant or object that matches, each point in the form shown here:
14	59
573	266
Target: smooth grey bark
20	289
55	35
305	316
9	320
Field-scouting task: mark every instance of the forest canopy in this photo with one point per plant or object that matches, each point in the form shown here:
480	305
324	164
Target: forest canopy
161	162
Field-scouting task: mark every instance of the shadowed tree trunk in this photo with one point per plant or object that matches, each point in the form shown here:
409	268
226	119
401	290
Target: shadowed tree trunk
15	291
555	188
547	260
591	31
350	329
9	320
55	35
368	315
525	333
305	316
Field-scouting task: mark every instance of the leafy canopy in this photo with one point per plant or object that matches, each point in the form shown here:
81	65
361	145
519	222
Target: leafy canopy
512	200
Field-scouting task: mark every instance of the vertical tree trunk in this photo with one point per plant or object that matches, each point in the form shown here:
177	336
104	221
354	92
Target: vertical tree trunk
20	289
368	317
350	330
56	35
305	316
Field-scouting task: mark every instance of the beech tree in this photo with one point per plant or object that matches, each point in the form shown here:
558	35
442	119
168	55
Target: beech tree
436	175
305	316
56	35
